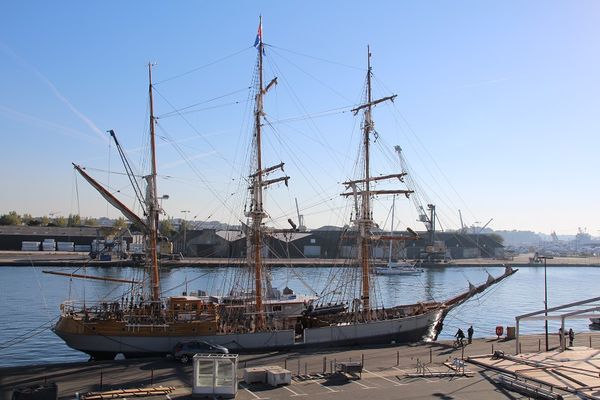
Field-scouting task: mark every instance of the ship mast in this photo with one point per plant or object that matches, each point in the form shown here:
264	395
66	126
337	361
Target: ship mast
258	214
152	200
364	218
258	184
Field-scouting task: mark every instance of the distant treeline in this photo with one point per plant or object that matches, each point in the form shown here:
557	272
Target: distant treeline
13	218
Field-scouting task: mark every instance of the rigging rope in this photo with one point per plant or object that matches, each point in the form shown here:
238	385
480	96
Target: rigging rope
204	66
177	111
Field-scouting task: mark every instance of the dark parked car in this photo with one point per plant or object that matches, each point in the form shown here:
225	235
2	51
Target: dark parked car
185	351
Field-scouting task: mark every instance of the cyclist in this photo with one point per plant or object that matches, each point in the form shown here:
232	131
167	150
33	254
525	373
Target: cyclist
460	336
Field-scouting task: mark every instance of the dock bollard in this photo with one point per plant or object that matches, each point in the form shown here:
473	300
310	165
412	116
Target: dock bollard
362	360
397	358
324	364
492	348
520	348
331	366
539	344
285	364
590	341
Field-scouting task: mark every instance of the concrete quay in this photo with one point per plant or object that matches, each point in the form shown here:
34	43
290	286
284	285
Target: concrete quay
384	376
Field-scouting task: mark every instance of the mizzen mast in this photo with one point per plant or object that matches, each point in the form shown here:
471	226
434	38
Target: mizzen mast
152	206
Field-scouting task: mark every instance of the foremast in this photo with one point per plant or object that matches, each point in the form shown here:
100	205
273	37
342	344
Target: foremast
362	192
152	205
258	182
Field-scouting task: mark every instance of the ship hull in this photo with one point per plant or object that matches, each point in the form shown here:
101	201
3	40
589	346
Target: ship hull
399	330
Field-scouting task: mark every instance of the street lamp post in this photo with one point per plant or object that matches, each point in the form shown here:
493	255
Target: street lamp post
184	212
546	296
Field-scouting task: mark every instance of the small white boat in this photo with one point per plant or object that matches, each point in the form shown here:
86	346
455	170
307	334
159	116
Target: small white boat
595	321
398	268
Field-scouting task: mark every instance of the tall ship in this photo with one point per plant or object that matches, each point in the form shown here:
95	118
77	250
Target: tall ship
254	315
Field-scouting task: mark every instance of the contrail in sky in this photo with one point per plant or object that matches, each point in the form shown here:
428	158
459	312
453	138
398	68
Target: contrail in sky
179	162
64	130
55	91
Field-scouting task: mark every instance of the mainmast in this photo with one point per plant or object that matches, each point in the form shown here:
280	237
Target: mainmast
366	221
152	200
364	218
257	210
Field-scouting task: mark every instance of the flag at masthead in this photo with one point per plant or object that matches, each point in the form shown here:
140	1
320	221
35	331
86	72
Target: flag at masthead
259	33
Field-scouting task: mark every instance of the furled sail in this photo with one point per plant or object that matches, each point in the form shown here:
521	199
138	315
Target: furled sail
130	215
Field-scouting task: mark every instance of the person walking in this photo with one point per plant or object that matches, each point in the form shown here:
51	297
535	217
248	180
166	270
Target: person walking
571	337
470	334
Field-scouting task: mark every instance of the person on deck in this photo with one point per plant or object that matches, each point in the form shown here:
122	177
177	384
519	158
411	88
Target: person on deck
470	334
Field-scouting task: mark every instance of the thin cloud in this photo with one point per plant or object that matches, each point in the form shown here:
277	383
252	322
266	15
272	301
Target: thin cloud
36	121
55	91
189	159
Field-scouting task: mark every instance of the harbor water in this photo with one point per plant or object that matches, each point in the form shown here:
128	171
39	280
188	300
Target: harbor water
30	299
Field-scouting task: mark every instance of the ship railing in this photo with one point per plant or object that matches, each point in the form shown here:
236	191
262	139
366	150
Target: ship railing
90	310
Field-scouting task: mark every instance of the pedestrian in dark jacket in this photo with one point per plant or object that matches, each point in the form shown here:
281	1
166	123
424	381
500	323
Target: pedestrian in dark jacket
470	334
571	337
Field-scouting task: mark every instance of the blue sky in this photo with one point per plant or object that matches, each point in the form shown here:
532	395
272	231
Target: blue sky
496	109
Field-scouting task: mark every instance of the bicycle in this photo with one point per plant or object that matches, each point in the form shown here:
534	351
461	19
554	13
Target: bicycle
459	342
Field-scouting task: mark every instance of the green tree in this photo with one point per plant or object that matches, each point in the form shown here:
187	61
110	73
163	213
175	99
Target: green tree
26	219
184	226
166	228
45	220
60	221
12	218
90	221
120	224
74	220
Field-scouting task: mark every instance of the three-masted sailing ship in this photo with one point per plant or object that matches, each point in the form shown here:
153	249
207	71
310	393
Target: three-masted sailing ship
258	317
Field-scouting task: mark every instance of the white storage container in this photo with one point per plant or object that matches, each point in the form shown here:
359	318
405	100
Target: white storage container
255	375
30	246
279	376
65	246
49	246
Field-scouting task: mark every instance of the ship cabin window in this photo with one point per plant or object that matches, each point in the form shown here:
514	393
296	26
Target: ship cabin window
276	308
194	306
